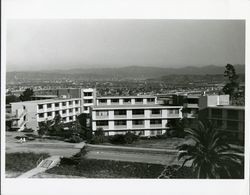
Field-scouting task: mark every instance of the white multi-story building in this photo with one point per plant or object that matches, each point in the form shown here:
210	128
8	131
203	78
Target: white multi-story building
28	114
88	98
139	114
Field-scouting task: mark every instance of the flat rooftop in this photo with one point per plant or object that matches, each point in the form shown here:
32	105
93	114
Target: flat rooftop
133	106
46	101
228	107
126	97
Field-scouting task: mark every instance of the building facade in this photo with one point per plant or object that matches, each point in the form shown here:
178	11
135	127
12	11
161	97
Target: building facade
28	114
141	115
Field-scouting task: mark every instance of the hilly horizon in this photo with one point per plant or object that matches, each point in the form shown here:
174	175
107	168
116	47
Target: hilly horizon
144	72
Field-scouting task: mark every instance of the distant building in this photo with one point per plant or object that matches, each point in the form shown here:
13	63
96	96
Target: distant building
226	118
28	114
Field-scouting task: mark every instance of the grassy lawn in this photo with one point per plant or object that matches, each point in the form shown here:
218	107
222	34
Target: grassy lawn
167	143
22	162
92	168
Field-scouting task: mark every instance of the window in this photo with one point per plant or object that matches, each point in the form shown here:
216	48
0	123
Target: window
138	122
85	108
102	113
40	106
102	101
64	119
120	112
64	111
49	105
159	132
71	118
219	124
138	100
87	93
152	133
64	103
120	123
138	112
150	100
70	110
88	101
127	100
41	115
156	111
173	111
70	103
57	112
56	105
155	121
77	109
76	101
49	114
102	123
114	100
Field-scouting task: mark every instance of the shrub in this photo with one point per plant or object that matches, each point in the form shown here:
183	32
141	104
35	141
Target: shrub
130	138
75	139
117	139
97	139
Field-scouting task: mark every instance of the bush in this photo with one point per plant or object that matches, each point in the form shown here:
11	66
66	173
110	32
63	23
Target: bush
97	139
117	139
128	138
75	139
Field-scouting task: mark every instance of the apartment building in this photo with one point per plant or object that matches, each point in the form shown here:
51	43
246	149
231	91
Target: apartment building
227	118
28	114
141	115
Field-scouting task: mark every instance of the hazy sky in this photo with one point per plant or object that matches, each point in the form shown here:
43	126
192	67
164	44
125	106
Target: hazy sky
64	43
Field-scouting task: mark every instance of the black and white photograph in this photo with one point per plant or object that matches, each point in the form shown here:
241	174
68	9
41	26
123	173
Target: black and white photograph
118	98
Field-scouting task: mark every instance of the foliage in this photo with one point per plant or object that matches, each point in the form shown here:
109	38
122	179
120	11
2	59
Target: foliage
12	98
23	162
26	95
28	130
211	156
128	138
176	127
84	126
75	139
176	171
232	86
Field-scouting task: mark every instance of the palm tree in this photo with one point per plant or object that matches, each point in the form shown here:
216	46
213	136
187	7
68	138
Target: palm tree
210	154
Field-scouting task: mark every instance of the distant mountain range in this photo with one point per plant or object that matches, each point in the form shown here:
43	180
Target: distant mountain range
130	72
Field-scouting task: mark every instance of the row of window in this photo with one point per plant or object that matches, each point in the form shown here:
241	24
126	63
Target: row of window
57	105
41	115
127	100
136	112
152	132
87	93
124	122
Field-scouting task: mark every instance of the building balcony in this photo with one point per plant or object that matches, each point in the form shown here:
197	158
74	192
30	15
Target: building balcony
155	115
102	117
103	127
155	125
120	127
138	116
120	116
138	126
173	115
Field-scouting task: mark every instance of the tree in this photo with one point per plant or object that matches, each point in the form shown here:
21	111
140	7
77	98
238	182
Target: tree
26	95
232	86
85	126
44	127
12	98
210	153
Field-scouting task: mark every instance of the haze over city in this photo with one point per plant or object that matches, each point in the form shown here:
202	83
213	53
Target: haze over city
34	45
